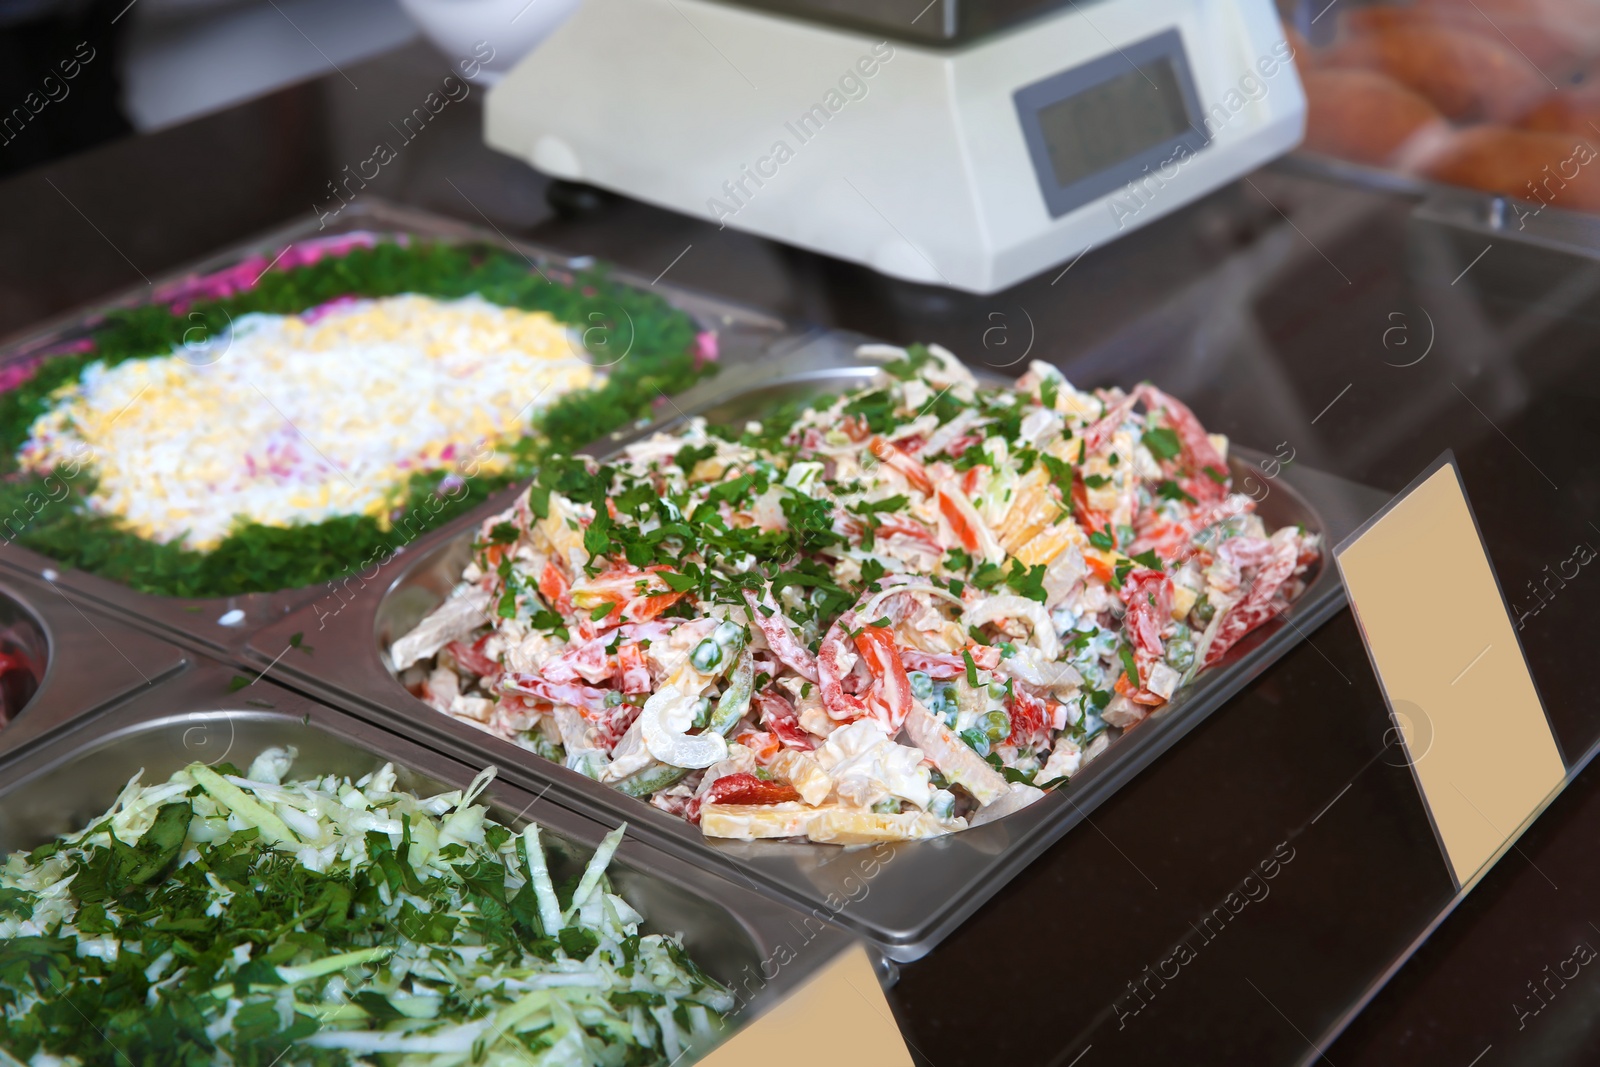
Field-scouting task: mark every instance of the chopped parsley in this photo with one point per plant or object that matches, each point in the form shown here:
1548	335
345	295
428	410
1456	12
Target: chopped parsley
242	921
1162	443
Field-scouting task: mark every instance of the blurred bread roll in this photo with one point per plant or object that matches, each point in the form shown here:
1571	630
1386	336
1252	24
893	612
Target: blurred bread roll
1574	111
1556	169
1550	46
1545	10
1466	76
1365	117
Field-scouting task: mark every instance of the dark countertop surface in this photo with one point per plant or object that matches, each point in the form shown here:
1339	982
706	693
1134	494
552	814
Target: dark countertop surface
1284	309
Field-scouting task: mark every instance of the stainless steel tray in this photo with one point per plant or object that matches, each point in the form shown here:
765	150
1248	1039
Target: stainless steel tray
81	658
1490	215
223	624
758	947
904	897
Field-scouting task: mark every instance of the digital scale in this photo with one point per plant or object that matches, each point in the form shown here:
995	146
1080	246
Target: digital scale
960	144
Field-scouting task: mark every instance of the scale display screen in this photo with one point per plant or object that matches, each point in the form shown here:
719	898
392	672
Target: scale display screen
1096	127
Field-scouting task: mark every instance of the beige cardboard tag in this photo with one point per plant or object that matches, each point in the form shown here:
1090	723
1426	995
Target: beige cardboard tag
1446	654
838	1018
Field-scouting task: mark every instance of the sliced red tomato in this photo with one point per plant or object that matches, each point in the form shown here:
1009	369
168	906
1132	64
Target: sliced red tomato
748	789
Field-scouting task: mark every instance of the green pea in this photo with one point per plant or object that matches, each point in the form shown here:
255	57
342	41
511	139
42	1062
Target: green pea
976	741
921	685
996	725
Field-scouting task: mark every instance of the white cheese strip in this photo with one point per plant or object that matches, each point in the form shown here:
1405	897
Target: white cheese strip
834	824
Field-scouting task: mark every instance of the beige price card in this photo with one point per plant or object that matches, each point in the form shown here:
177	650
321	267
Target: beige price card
839	1018
1442	642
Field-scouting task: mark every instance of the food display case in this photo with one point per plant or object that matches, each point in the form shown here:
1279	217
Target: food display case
338	647
1250	873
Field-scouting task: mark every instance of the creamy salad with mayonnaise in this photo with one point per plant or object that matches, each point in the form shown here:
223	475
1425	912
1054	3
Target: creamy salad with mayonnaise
900	613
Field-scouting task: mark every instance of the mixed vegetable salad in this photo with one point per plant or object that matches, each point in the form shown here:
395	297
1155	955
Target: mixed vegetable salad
227	918
275	424
902	612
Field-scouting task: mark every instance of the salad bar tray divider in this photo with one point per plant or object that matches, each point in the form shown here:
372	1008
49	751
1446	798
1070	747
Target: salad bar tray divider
222	625
759	948
62	659
904	897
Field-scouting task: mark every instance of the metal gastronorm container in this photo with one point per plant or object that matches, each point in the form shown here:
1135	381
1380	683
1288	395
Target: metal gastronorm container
917	892
222	624
80	659
759	947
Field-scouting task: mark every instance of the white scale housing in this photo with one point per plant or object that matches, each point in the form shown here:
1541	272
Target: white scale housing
1133	108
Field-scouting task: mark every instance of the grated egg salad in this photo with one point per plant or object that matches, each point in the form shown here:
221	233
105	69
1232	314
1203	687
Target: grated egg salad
300	418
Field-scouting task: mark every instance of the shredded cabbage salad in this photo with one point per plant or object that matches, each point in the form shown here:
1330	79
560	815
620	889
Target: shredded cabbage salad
220	918
898	613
